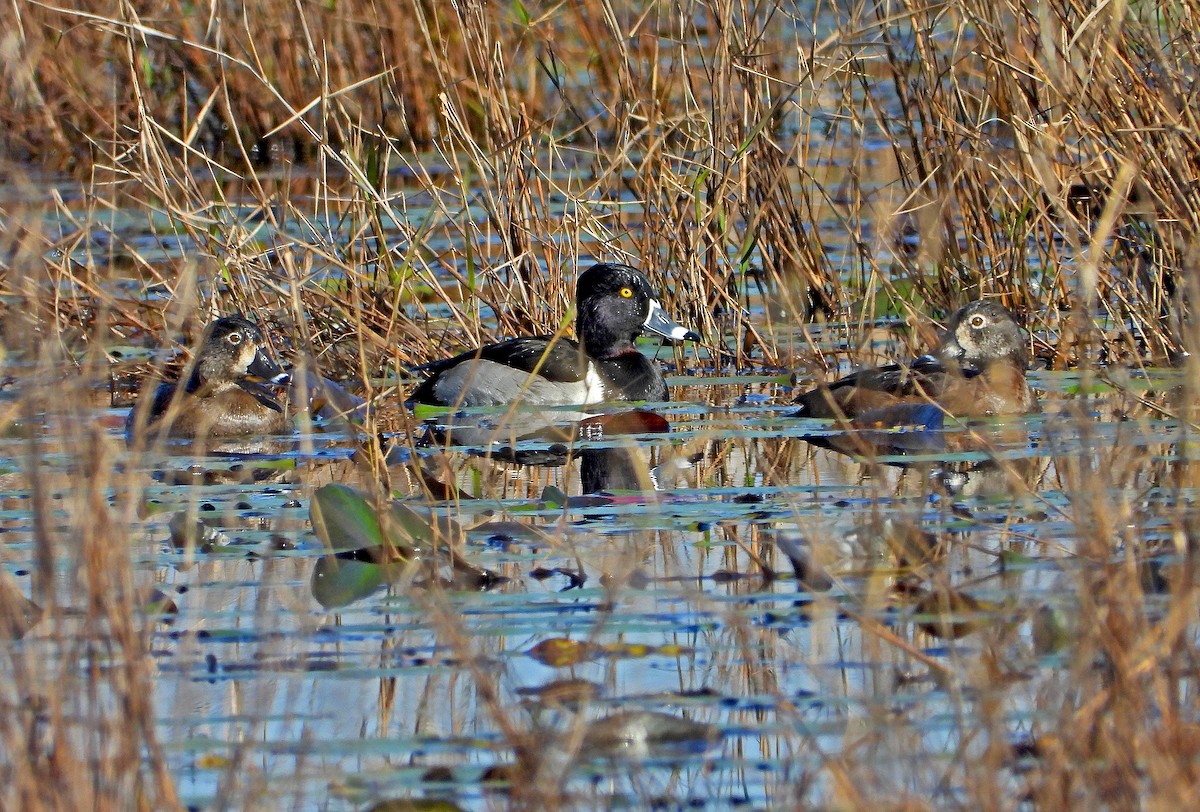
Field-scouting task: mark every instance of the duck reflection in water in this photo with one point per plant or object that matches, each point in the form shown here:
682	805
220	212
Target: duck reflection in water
606	446
623	465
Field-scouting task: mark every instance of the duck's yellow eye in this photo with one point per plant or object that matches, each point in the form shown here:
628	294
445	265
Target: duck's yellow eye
626	293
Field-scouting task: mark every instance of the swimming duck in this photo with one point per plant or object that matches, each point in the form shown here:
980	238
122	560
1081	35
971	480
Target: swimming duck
615	303
221	395
976	370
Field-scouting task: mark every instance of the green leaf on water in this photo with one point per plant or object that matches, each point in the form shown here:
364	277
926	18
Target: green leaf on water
1092	387
280	464
344	519
410	528
424	411
553	497
1011	558
338	582
372	548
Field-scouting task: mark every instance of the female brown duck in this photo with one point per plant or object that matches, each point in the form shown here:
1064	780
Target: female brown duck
976	370
219	394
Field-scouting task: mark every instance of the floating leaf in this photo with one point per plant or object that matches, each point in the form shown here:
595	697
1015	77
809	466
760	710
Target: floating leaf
425	411
553	497
635	421
637	650
339	581
415	530
344	519
561	652
212	761
675	650
1012	558
373	549
415	805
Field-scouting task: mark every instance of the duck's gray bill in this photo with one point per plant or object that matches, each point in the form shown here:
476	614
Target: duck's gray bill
657	321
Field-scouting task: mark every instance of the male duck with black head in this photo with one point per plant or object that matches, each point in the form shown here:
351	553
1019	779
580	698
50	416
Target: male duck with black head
614	305
220	394
976	370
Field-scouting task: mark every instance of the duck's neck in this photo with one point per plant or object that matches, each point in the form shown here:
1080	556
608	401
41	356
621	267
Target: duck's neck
200	382
633	376
600	342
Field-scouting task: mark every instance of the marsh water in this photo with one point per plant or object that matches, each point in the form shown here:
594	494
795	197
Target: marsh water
704	610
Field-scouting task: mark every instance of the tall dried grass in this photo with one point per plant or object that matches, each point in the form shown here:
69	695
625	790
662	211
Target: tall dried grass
1039	157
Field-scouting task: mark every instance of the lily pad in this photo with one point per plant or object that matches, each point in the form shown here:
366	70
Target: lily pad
561	652
344	519
339	581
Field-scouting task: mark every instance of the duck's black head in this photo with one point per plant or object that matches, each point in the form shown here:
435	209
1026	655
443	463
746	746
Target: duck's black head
233	348
981	334
615	303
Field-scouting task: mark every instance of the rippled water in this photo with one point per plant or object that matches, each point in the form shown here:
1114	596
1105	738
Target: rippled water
675	572
722	569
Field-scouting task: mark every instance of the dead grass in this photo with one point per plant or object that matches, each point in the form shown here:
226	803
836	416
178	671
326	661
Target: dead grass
468	156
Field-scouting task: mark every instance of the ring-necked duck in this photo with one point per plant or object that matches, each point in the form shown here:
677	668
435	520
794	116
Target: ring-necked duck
977	370
220	395
615	303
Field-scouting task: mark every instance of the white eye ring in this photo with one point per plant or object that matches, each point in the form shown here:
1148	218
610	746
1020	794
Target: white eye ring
234	338
977	321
